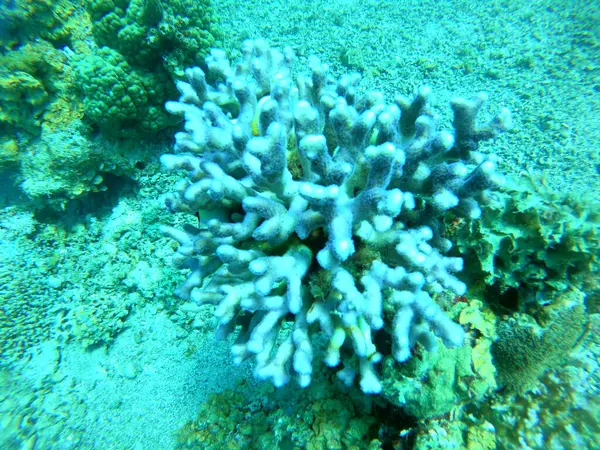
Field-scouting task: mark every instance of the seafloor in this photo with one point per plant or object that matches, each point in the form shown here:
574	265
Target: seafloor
135	384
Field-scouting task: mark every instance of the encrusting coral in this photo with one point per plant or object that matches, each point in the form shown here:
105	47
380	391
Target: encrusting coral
294	176
35	73
256	419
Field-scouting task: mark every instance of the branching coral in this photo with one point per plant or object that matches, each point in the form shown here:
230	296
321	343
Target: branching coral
304	175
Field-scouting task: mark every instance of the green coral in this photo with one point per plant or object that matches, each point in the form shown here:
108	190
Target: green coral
23	98
531	244
144	46
561	411
438	433
172	33
9	151
32	77
116	97
56	22
35	75
433	383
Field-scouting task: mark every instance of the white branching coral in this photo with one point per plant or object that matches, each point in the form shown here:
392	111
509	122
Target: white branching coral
304	184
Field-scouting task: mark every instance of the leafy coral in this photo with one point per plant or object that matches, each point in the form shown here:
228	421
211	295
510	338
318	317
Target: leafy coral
531	243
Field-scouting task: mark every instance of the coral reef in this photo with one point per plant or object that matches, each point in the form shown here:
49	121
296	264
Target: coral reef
35	79
317	420
561	411
434	383
53	21
559	408
35	90
293	177
531	244
67	165
304	199
456	434
23	95
116	97
53	75
143	47
170	33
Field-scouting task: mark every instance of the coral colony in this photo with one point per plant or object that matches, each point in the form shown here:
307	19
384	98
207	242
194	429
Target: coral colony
320	211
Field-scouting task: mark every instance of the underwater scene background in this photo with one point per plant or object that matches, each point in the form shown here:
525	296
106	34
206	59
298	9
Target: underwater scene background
390	258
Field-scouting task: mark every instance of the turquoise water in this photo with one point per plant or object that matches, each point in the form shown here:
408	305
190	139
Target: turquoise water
103	348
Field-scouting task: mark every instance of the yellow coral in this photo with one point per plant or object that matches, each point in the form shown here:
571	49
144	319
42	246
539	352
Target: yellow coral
9	152
20	95
60	113
481	437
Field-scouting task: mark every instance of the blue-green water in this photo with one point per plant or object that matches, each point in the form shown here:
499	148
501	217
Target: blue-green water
108	319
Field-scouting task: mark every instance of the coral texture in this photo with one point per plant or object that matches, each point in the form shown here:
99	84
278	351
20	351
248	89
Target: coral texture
304	181
35	73
562	410
533	244
155	32
116	97
64	167
54	21
236	419
433	383
525	347
143	47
